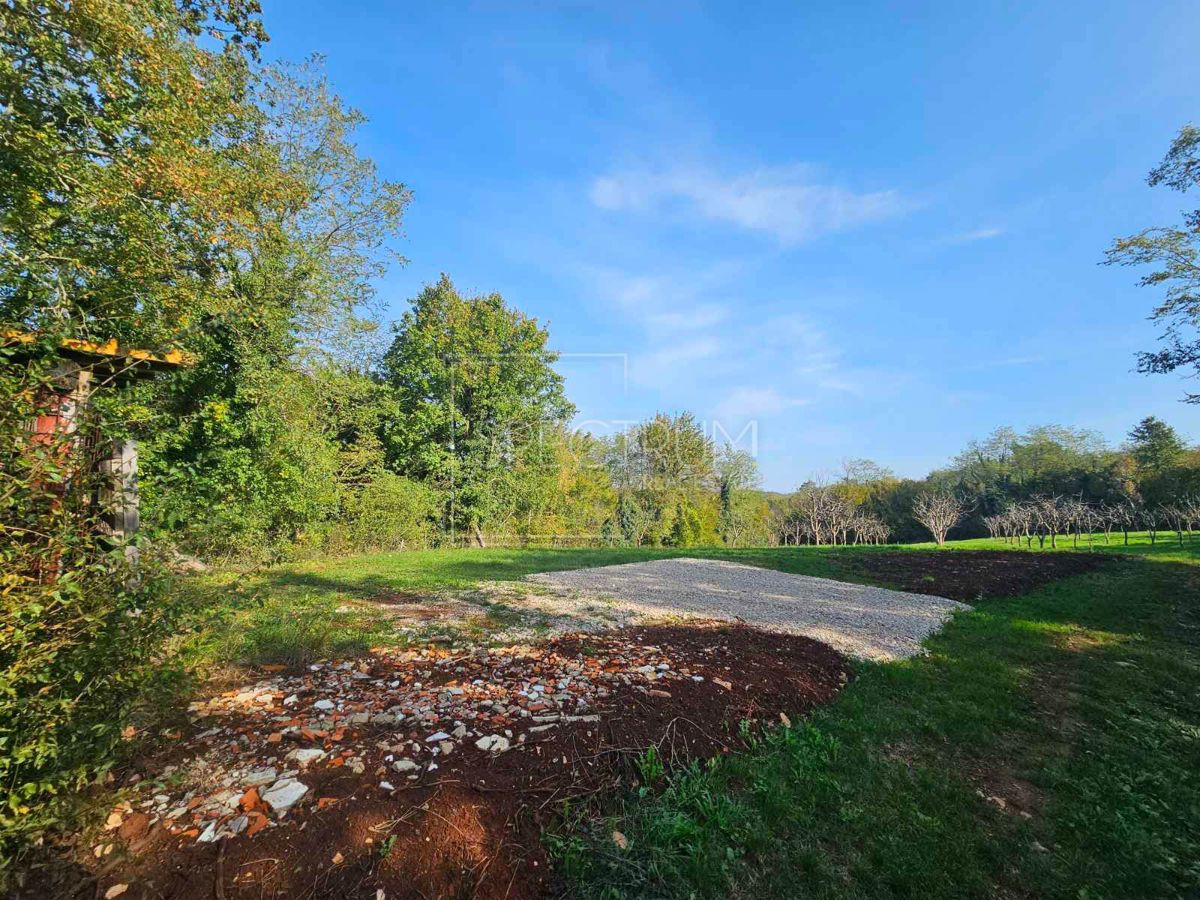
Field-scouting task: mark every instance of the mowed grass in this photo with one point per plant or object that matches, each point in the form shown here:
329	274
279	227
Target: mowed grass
304	611
1076	708
1166	545
298	612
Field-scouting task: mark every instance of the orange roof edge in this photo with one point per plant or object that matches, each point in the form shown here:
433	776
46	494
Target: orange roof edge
108	348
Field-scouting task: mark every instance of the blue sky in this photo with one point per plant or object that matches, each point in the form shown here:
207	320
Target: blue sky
872	230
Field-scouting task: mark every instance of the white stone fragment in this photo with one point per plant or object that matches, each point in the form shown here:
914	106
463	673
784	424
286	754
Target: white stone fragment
493	743
258	777
306	756
283	795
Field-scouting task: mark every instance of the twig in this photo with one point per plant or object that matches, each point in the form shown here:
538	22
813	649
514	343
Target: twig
479	878
219	885
464	835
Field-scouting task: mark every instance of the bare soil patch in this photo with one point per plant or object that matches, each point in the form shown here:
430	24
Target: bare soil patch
971	574
576	714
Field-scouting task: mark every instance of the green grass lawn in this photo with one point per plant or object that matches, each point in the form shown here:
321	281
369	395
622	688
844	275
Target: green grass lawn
1165	547
375	573
303	611
1078	705
299	611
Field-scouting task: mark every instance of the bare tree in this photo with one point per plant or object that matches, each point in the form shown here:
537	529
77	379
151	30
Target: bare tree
1152	518
1192	510
878	531
1085	519
1126	517
1107	517
1020	522
1052	517
1176	515
1077	518
938	511
869	530
995	526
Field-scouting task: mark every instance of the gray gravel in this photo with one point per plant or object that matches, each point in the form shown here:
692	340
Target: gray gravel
865	622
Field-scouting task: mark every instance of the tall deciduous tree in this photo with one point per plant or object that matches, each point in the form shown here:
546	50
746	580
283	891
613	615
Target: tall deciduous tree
938	511
1174	252
475	392
123	175
736	474
278	407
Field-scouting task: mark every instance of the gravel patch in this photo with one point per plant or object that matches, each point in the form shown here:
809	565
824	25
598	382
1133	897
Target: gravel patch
865	622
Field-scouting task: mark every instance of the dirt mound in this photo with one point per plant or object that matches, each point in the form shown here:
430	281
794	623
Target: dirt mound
968	575
431	773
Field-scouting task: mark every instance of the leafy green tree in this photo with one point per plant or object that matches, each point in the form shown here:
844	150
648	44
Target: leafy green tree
1174	252
687	529
124	181
256	444
390	513
561	488
475	391
125	184
660	463
737	478
1155	445
672	453
631	520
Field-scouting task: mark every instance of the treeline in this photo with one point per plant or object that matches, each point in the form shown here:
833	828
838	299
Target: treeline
1048	518
1047	481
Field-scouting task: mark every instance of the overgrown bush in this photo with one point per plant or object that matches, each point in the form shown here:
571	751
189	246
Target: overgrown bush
390	513
80	630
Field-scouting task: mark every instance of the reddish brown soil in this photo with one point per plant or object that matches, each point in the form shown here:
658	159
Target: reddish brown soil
475	832
969	575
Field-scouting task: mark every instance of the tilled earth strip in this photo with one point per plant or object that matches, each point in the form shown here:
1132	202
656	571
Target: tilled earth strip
429	772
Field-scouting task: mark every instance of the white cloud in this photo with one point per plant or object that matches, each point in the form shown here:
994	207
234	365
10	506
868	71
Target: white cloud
787	202
751	402
694	345
700	316
672	302
980	234
673	362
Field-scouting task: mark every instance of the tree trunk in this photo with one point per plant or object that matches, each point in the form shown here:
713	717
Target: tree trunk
479	535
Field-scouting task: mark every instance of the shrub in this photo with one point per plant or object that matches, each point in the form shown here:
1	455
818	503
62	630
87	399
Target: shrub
686	530
79	635
391	513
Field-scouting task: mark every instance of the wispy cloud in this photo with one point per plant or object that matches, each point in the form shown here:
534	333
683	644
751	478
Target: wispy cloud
668	302
1006	361
789	203
670	363
979	234
750	402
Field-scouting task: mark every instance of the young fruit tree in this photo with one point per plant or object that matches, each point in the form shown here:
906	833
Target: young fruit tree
938	511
